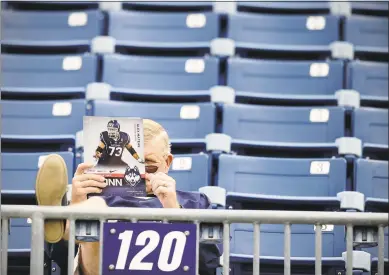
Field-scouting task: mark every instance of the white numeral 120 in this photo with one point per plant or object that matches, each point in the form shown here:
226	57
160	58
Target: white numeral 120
137	262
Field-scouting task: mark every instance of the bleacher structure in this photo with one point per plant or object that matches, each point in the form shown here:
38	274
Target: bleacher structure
282	104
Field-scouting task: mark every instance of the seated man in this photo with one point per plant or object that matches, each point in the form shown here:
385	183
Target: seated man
51	188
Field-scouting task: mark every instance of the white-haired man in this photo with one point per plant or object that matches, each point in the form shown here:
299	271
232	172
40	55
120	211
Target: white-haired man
161	188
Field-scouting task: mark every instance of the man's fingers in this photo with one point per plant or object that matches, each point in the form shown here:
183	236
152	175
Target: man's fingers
160	190
85	177
92	183
82	167
91	190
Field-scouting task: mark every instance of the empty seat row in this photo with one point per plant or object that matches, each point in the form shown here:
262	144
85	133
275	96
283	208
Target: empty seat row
194	79
274	7
34	120
301	33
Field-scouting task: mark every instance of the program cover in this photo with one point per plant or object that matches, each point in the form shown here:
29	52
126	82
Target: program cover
115	145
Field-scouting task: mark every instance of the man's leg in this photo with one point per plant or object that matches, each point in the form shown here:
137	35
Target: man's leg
50	190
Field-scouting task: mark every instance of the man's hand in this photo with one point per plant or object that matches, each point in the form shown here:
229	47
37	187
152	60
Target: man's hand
140	160
98	155
164	187
84	184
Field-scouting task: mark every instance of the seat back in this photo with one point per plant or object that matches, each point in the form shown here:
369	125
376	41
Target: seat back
302	240
282	176
51	117
368	78
160	73
280	78
190	171
371	125
19	239
283	29
144	28
65	28
180	120
371	178
47	73
19	171
283	124
366	31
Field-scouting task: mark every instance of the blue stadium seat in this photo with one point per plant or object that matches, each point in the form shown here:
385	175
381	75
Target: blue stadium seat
285	80
365	6
169	5
190	171
272	248
181	121
46	119
285	6
371	125
19	239
371	179
260	181
283	124
33	75
50	29
163	30
294	33
367	33
160	77
370	79
19	170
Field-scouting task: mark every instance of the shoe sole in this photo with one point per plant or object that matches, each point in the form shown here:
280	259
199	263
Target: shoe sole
50	188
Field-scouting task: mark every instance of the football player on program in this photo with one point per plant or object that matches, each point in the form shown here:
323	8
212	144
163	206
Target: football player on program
111	146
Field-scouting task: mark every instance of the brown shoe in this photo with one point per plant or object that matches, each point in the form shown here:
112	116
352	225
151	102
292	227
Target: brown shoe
50	189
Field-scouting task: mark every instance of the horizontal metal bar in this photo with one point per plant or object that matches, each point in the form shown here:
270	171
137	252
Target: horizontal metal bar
201	215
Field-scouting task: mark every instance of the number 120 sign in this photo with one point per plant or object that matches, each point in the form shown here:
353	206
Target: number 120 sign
149	248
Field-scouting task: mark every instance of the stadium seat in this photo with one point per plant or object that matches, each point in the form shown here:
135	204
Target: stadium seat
165	78
42	118
281	182
371	125
367	7
285	33
19	170
51	28
285	81
38	75
367	33
19	239
371	179
370	79
285	6
163	30
190	171
283	124
272	248
168	6
182	121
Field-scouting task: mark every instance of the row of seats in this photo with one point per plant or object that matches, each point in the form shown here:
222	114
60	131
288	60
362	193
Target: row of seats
181	78
193	30
364	7
253	183
250	123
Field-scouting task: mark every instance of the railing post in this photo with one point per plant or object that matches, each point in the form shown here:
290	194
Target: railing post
37	244
350	248
4	245
318	249
381	244
71	246
257	247
226	248
287	237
